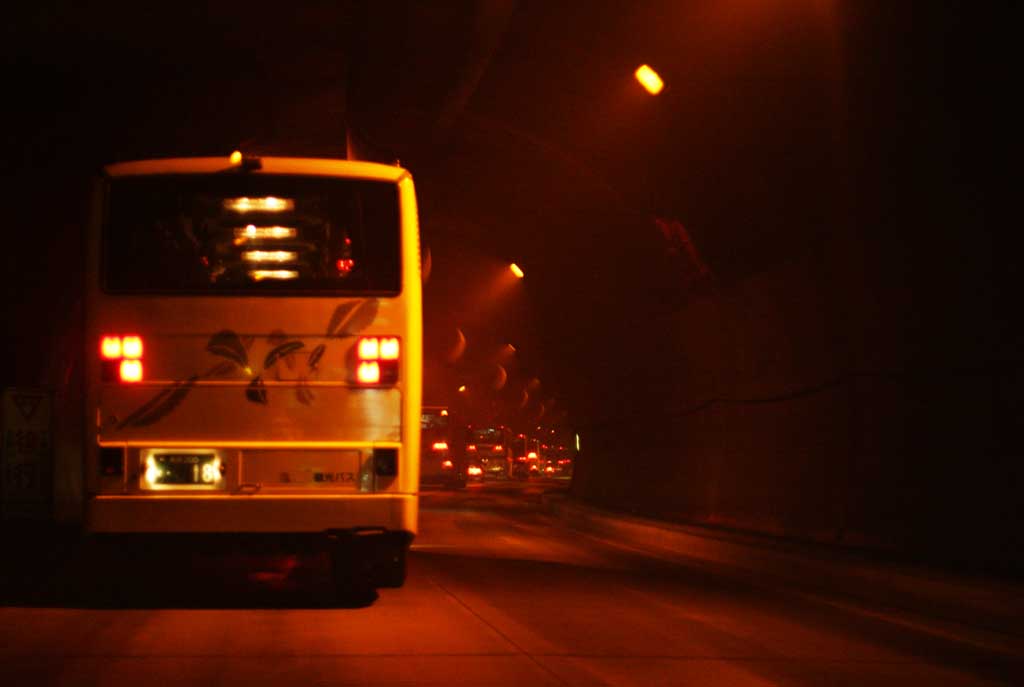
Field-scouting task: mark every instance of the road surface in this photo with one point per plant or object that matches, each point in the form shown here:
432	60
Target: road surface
498	593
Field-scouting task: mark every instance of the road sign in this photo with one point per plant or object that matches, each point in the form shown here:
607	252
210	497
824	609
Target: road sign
25	456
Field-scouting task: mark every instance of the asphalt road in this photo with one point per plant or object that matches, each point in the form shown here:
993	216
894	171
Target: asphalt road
498	593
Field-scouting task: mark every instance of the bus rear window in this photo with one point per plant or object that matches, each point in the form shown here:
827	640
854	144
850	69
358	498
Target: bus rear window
251	234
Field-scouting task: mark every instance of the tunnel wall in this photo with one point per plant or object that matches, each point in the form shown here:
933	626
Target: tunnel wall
770	419
863	390
862	393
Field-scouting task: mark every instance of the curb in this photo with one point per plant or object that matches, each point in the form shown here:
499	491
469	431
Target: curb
979	603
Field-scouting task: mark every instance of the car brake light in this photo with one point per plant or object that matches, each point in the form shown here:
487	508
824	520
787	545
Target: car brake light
378	360
446	464
440	446
498	448
471	447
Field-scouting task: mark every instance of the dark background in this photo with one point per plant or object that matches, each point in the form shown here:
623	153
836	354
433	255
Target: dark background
772	298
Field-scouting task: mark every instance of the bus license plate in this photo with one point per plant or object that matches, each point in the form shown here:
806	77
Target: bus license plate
186	468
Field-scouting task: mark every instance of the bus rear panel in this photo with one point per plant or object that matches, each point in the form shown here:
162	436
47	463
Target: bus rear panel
254	350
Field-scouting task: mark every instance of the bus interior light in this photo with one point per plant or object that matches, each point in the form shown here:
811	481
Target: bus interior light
255	233
270	255
440	446
264	204
260	275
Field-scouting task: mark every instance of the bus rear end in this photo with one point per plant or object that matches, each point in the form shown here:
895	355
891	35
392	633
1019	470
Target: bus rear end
254	355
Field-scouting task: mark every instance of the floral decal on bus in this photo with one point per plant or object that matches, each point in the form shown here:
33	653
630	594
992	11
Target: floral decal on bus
347	321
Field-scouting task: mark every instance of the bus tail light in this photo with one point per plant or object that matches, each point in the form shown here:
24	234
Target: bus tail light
368	373
110	348
121	358
131	371
378	358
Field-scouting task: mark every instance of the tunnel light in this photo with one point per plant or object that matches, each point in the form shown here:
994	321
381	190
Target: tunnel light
236	158
516	270
649	79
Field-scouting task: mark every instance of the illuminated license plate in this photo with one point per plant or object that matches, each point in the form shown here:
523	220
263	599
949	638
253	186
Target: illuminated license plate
184	468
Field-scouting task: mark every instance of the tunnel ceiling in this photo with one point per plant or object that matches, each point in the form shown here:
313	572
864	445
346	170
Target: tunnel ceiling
521	122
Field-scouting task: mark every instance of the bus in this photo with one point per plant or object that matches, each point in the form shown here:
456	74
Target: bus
254	355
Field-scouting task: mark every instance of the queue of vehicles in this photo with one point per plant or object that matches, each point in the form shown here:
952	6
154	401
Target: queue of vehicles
454	454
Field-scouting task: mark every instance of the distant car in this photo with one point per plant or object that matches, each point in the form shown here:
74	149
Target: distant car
490	448
442	461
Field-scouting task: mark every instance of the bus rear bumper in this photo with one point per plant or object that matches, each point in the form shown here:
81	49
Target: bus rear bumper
229	513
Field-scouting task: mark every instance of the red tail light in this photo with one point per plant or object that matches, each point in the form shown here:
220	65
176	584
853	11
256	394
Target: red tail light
369	348
378	359
131	347
389	348
110	348
121	358
368	373
131	370
440	446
